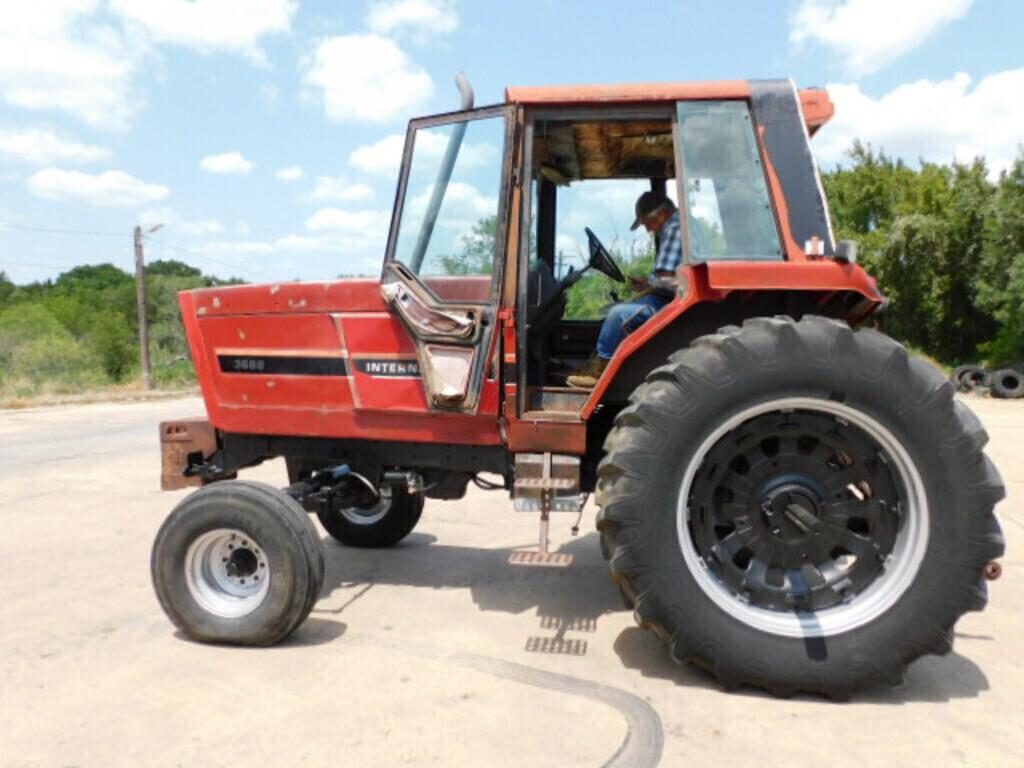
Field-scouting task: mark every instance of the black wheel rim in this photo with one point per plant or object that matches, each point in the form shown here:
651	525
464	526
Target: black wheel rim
796	510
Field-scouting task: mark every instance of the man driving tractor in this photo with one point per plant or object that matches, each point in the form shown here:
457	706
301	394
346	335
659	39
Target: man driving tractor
659	216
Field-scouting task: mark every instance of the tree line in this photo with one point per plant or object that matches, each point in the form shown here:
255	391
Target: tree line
946	243
80	331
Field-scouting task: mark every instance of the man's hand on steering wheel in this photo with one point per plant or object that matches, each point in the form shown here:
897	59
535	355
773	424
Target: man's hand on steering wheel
638	284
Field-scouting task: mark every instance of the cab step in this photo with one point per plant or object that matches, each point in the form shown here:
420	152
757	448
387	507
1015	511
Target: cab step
541	559
545	483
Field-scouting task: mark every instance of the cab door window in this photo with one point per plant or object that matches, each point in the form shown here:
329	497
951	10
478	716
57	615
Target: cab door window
449	224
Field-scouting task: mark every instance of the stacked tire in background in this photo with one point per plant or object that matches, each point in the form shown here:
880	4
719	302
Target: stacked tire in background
1005	382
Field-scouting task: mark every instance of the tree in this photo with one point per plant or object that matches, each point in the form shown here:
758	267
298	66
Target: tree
939	240
171	268
6	288
477	254
1001	278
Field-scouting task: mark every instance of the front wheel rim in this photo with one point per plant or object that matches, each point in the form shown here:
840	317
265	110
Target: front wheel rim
764	542
227	573
370	515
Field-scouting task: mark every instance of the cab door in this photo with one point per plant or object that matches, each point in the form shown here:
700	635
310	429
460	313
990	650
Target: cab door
446	248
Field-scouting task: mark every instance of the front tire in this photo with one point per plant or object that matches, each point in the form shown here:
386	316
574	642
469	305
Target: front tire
796	506
237	562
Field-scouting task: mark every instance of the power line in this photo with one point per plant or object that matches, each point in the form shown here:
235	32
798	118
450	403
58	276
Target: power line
120	235
55	231
7	263
205	257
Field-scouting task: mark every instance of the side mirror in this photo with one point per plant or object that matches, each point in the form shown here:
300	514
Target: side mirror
846	251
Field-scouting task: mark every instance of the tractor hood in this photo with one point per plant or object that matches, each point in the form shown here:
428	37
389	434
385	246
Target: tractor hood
351	295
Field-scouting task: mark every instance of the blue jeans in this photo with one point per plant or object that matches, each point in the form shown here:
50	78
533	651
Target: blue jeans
623	319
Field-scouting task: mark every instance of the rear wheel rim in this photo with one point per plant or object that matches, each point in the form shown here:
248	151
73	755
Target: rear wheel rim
802	517
227	573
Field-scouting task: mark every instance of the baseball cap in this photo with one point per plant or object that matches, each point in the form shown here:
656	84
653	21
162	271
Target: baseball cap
647	204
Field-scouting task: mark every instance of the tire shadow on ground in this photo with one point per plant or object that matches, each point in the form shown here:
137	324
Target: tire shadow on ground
581	593
313	631
930	679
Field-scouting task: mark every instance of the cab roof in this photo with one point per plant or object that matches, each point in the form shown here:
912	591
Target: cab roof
815	103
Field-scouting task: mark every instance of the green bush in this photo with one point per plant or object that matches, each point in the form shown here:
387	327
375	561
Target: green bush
38	354
115	343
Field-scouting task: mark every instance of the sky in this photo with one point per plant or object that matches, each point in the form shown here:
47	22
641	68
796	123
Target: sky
265	135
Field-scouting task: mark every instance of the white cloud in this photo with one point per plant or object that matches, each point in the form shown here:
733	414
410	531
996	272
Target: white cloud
463	207
201	227
372	223
233	26
42	147
570	247
336	189
291	173
153	216
300	243
111	188
336	231
345	232
228	162
424	17
175	223
83	57
235	248
366	78
60	55
384	157
867	35
936	121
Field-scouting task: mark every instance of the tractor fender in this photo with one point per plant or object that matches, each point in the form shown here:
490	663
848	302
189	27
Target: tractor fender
713	295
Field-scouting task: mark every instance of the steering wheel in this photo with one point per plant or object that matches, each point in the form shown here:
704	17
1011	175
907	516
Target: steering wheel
546	314
601	260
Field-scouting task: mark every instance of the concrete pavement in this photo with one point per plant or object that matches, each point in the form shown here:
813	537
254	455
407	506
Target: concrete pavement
435	652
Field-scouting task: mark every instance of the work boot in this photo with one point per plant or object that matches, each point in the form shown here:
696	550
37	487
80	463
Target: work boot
587	376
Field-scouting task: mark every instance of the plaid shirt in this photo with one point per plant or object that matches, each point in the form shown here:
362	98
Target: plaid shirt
670	254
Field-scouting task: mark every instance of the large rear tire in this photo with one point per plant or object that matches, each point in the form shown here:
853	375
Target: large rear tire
799	507
237	562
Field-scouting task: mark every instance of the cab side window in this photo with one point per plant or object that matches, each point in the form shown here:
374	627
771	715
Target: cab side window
727	202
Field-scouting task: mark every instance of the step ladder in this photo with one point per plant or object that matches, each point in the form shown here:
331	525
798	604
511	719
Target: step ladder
546	483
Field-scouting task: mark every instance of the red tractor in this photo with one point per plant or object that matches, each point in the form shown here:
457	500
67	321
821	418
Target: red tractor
785	501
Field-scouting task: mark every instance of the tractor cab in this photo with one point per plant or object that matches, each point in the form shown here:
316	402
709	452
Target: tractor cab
511	232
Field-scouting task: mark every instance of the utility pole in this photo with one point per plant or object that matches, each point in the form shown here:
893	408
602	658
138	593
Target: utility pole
140	290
